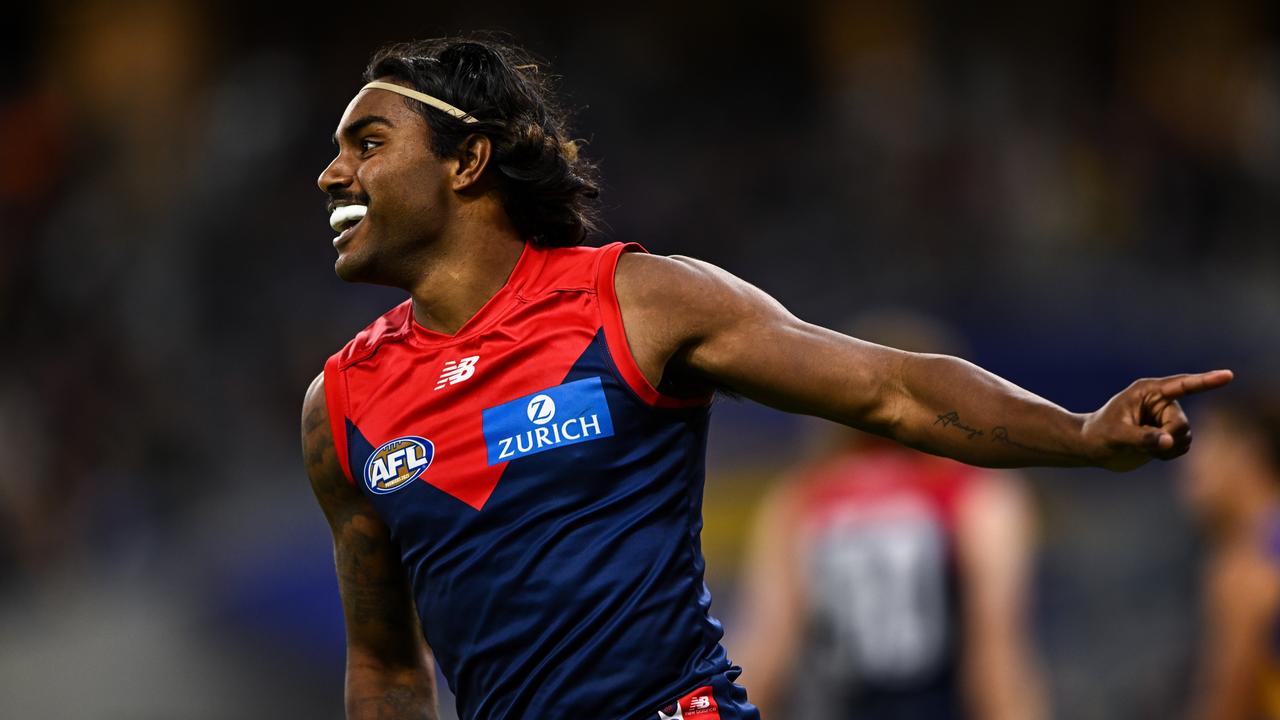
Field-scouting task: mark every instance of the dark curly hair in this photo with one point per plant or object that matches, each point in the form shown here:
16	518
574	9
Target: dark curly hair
546	187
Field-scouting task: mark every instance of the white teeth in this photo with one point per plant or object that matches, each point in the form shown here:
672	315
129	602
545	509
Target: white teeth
346	216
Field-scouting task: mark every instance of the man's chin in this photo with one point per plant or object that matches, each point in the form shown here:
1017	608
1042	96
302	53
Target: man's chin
351	269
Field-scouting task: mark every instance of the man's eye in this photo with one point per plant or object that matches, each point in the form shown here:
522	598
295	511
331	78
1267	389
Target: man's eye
366	145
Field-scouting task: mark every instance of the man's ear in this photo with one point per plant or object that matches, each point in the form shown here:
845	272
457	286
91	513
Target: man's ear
471	160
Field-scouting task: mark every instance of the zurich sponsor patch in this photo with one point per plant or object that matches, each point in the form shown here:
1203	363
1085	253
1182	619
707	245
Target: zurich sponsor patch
563	415
397	463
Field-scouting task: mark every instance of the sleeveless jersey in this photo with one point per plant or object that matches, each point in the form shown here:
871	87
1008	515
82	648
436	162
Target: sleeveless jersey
882	586
545	500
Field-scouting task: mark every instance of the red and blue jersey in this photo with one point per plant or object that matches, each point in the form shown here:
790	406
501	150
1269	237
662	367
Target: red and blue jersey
545	499
877	539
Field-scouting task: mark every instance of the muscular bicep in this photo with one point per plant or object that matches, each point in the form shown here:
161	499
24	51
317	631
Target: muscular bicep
382	625
690	319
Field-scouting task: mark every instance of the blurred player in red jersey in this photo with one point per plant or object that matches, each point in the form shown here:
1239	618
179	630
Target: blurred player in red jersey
886	584
1232	482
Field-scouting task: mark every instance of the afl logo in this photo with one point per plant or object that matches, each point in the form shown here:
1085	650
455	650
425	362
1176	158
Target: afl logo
397	463
541	409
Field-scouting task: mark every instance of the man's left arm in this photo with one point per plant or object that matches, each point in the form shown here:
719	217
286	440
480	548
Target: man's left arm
689	322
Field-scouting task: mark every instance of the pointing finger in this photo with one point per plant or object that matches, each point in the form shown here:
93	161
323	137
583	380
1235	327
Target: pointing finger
1176	386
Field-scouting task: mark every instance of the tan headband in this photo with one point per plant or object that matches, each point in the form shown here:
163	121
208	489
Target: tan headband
422	97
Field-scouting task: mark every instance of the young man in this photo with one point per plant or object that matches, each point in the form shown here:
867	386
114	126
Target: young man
1233	486
514	456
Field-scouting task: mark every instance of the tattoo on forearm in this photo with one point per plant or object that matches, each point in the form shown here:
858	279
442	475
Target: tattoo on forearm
999	434
952	419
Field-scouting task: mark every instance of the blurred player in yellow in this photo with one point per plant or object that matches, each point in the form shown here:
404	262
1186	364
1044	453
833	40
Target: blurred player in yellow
1233	485
886	584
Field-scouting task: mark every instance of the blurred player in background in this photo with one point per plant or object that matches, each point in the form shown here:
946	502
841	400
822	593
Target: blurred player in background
886	584
512	460
1232	482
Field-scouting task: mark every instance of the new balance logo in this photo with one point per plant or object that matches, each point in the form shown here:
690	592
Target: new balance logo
455	371
698	705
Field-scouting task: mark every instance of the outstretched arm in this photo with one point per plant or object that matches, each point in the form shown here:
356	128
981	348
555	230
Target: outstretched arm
691	323
390	673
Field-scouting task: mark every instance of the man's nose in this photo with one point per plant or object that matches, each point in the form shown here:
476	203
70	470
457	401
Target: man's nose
336	176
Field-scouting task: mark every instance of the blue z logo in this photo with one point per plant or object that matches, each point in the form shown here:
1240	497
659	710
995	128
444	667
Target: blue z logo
562	415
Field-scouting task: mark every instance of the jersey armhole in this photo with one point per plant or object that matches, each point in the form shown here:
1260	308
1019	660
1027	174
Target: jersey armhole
335	398
615	335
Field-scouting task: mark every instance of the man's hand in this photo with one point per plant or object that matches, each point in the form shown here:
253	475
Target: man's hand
1145	420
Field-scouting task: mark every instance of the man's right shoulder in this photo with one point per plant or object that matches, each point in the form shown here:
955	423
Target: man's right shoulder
391	325
315	392
318	450
689	296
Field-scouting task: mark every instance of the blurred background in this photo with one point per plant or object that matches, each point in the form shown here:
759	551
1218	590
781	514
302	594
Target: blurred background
1089	192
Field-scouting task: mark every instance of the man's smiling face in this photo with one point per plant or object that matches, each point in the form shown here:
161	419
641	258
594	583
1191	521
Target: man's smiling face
385	162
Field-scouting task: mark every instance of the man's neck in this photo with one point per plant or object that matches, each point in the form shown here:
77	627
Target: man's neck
463	275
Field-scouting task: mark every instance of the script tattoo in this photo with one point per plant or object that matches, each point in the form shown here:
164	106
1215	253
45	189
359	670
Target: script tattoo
952	419
1000	434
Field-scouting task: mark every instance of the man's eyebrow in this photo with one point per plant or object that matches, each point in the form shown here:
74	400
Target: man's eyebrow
361	123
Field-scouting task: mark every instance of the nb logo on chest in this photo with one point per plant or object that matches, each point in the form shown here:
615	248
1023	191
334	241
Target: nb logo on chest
455	371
